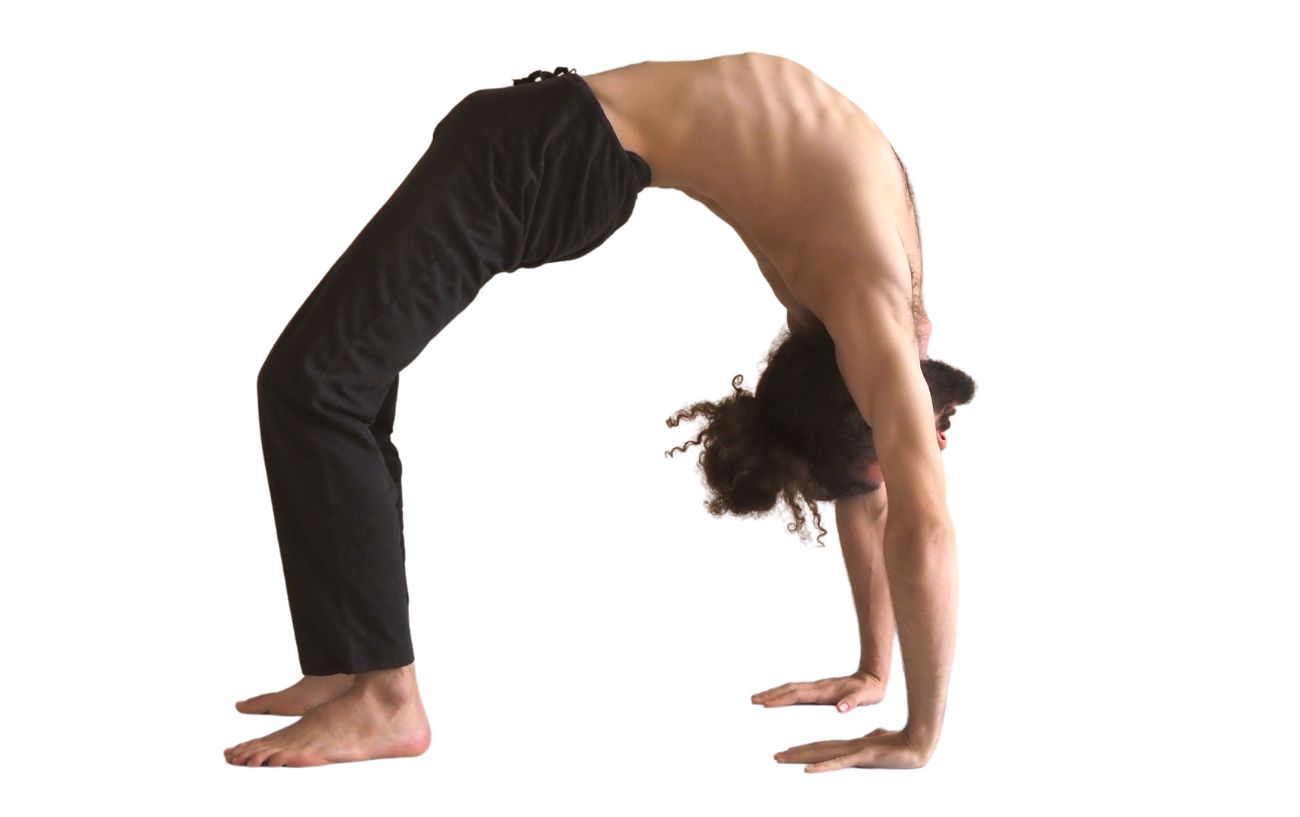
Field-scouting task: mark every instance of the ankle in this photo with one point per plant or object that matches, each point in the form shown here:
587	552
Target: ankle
395	686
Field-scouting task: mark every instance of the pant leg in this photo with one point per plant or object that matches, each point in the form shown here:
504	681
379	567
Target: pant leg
382	428
513	178
327	395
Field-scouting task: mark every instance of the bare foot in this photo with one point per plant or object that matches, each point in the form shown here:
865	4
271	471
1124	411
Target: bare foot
312	690
381	715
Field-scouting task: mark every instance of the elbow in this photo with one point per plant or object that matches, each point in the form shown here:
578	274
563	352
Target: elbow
925	539
920	560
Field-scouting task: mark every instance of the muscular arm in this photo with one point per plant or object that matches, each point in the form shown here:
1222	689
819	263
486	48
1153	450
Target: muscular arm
869	317
860	522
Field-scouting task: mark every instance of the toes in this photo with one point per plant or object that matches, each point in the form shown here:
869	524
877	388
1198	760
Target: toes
261	755
244	750
277	759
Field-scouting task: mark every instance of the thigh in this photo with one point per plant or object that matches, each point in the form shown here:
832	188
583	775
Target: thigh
419	261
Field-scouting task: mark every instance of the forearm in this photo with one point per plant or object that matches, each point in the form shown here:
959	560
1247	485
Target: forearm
862	533
876	355
922	571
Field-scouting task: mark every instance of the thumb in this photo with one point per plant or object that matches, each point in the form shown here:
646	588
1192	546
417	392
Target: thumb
846	703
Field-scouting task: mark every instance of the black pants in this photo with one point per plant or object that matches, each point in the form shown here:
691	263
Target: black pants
514	177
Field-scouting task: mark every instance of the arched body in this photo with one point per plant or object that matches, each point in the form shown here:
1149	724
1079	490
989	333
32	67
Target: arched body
800	172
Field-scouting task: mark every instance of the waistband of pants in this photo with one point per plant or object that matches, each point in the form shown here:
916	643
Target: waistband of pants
639	164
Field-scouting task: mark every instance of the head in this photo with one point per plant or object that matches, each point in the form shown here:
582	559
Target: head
799	434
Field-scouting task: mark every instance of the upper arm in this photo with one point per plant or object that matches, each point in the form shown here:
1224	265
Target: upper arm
870	319
870	322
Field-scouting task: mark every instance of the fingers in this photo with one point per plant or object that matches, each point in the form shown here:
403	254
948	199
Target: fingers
865	753
822	750
802	694
847	693
830	755
815	692
842	762
794	696
770	693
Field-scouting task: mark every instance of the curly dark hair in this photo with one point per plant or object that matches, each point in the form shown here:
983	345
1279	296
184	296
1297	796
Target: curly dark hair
799	433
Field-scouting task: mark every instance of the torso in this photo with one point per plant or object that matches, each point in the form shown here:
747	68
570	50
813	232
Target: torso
792	165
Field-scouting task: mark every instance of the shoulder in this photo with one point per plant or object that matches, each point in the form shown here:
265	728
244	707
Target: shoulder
868	263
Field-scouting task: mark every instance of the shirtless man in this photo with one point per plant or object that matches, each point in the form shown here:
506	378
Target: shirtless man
817	194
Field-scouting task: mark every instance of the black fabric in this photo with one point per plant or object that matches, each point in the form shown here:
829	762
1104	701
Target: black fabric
514	177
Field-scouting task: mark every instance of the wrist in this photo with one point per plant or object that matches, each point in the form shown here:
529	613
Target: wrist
922	738
871	672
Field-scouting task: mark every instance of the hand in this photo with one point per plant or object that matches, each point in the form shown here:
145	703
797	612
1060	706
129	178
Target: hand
846	692
880	749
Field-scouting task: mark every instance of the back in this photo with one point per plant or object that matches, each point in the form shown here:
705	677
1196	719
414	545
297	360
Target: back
795	167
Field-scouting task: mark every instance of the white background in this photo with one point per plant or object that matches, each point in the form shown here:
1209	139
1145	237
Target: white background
1108	199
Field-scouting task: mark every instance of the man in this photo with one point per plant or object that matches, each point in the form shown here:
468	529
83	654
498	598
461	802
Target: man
813	189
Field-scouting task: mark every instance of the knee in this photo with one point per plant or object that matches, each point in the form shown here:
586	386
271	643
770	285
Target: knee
299	382
285	376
